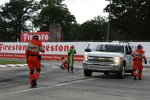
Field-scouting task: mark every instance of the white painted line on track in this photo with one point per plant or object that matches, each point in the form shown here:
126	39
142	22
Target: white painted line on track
13	65
49	86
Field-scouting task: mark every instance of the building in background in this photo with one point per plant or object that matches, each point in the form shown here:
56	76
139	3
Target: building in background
55	33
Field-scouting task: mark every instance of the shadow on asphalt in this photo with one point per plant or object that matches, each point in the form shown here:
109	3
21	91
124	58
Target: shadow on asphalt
109	76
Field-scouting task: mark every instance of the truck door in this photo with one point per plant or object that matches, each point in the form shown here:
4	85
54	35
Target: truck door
129	59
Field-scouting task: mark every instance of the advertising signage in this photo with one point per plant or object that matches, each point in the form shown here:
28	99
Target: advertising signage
27	36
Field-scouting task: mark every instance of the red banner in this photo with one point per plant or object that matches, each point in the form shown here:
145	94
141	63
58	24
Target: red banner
27	36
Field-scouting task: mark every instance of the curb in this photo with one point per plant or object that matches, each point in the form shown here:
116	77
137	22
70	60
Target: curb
13	65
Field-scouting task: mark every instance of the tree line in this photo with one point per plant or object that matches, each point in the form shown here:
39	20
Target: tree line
129	20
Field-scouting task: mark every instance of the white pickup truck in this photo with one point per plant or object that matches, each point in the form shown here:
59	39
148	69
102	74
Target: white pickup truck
109	57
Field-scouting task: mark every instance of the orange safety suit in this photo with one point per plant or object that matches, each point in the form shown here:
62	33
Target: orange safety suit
32	54
138	55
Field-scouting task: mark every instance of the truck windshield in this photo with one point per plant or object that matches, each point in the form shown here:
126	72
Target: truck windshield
110	48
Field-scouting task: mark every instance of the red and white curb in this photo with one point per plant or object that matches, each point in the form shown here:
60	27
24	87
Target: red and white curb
13	65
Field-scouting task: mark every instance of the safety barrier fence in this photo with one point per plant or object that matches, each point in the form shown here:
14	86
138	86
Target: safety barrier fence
55	50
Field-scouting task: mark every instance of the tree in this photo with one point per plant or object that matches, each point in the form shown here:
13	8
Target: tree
130	19
14	16
93	29
53	11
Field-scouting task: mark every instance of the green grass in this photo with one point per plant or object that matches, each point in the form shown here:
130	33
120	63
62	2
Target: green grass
10	61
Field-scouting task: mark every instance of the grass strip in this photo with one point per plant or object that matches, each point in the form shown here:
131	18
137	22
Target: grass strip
10	61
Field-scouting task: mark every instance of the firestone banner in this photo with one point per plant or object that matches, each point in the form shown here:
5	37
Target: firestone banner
27	36
55	50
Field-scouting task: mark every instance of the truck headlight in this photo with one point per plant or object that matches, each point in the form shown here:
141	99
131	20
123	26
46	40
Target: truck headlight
85	58
117	60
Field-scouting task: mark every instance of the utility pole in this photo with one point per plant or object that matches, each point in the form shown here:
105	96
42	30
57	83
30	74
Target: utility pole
108	28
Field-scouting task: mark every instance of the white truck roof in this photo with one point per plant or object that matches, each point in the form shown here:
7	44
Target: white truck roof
116	43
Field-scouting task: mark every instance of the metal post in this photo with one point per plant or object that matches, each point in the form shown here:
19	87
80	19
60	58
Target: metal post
32	28
108	28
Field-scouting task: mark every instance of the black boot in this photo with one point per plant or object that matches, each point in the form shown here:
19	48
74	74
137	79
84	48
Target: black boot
71	71
33	84
140	78
68	70
134	77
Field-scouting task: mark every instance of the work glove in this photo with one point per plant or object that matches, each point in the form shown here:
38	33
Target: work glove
74	51
27	60
145	62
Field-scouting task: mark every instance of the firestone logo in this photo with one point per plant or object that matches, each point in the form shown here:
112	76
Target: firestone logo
26	37
21	48
9	47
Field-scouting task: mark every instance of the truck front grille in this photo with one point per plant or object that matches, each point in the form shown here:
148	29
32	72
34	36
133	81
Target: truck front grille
100	59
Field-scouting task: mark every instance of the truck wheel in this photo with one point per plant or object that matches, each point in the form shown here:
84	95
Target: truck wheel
106	73
87	73
121	74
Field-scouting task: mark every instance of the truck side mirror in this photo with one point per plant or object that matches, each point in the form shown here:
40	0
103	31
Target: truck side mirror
129	52
87	50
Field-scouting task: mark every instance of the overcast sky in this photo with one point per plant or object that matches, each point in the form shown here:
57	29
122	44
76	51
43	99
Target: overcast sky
83	10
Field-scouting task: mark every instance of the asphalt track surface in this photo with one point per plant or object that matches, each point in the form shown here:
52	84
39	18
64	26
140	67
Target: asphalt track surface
57	84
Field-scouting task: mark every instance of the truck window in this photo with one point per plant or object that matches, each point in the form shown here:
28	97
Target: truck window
110	48
128	49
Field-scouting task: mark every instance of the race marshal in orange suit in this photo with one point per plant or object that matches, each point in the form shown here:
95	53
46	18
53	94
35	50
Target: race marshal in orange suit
34	47
138	55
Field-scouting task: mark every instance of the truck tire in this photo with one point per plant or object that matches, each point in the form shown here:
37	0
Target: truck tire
121	74
106	73
87	73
